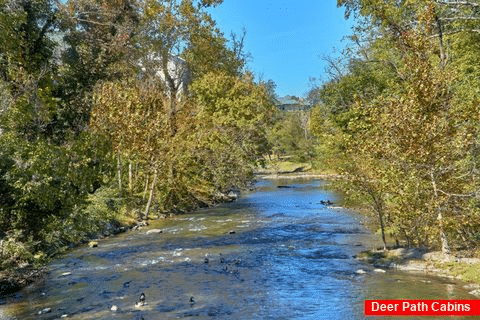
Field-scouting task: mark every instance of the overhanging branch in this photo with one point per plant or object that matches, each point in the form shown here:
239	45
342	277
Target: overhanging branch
468	195
459	3
455	32
459	18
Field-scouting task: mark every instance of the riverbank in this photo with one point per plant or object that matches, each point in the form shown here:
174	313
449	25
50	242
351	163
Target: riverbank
15	278
461	266
21	272
435	263
276	253
284	169
297	175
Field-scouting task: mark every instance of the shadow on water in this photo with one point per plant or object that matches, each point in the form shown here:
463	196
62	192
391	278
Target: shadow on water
277	253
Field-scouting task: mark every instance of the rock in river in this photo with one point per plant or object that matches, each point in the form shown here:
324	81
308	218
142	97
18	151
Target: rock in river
152	231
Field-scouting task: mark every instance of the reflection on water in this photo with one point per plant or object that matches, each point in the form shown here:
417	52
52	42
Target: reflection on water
277	253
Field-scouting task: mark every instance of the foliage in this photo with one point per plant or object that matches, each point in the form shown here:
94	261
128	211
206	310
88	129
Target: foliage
78	96
406	135
291	136
235	110
218	140
44	180
46	171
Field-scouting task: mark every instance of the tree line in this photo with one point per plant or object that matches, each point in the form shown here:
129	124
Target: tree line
110	108
399	119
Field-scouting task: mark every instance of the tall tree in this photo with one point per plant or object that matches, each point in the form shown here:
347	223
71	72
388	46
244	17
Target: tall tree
409	143
49	163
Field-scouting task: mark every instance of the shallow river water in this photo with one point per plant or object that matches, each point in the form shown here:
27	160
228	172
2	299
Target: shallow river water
276	253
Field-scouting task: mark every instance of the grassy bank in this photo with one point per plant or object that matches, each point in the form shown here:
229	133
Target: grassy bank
462	266
286	167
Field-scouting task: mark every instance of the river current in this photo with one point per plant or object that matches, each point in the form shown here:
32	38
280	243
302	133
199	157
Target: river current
276	253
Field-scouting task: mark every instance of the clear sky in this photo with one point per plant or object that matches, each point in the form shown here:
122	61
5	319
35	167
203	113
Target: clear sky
285	37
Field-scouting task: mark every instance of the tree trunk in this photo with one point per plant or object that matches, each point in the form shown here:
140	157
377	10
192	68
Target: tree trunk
443	55
150	197
119	172
378	207
146	189
135	174
173	119
382	227
172	89
130	177
443	236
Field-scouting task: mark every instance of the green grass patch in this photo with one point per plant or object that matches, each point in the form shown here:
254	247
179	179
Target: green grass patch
284	166
468	272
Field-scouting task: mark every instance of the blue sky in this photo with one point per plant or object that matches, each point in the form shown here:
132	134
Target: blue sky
285	38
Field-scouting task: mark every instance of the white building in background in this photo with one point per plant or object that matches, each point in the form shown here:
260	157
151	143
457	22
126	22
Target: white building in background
177	70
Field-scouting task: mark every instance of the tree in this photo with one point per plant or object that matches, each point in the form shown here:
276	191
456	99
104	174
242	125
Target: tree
290	135
50	164
218	140
407	144
98	44
184	30
234	110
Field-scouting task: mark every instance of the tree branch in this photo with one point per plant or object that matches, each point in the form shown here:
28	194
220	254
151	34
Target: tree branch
455	32
459	18
456	194
93	22
459	3
46	26
443	56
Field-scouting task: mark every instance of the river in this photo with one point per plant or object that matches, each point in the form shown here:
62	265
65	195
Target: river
276	253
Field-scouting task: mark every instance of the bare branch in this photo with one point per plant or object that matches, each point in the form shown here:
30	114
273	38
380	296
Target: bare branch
455	32
459	3
93	22
469	195
459	18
